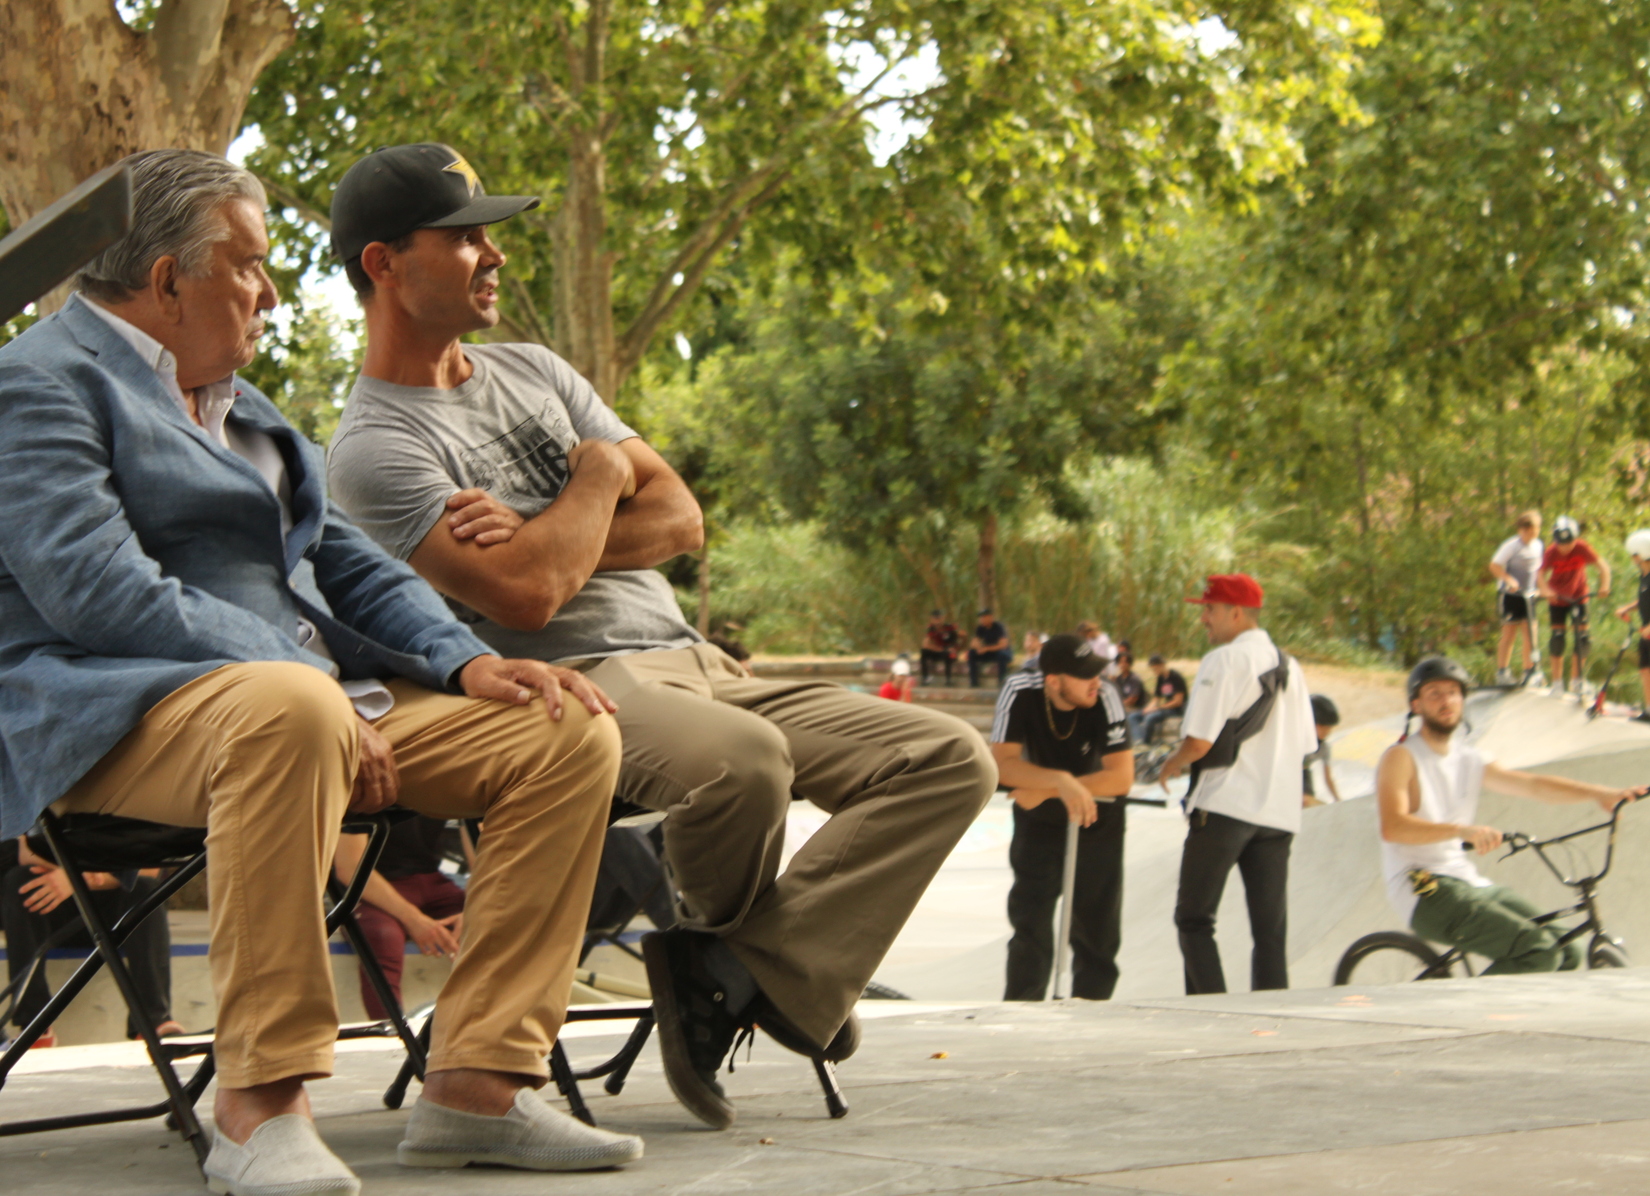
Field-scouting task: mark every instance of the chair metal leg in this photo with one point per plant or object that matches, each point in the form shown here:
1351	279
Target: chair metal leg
396	1093
834	1103
562	1072
87	971
109	948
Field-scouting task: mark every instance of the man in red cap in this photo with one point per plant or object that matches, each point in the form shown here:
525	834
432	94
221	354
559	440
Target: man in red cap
1248	725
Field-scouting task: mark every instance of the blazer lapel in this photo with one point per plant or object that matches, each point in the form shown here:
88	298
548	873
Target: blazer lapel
309	500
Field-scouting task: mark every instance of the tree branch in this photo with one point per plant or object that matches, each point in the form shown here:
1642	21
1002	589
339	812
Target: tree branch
635	340
286	198
186	37
540	330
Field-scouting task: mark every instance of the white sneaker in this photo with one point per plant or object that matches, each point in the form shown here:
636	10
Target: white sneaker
1557	691
1505	677
532	1136
284	1155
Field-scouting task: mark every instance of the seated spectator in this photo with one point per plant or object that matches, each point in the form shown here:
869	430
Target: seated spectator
1121	649
1098	640
1031	647
939	645
1168	698
36	901
497	472
1130	689
407	898
989	645
205	641
898	686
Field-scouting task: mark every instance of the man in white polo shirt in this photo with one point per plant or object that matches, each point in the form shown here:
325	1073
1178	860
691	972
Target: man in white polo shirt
1248	726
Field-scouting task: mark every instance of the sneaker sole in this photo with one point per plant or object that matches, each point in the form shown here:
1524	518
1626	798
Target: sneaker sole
704	1104
335	1187
592	1160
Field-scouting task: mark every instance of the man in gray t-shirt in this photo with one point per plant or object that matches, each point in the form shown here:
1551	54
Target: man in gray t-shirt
500	476
401	452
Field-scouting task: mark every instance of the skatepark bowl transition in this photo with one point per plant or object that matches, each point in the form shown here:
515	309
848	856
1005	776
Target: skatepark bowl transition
1506	1085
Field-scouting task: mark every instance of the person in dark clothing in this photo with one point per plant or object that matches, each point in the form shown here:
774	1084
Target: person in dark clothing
939	645
407	898
990	644
1062	747
36	901
1168	698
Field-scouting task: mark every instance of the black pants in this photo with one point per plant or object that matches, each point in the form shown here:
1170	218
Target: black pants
1004	657
1037	855
147	951
1213	844
933	656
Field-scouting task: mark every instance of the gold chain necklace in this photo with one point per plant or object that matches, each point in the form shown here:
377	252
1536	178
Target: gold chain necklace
1048	709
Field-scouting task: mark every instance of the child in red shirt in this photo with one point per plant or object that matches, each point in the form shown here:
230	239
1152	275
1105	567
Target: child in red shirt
1563	583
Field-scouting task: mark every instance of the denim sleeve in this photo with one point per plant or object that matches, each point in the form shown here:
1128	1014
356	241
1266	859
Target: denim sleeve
383	599
72	552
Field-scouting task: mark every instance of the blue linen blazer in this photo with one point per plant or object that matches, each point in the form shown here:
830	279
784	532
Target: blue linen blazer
137	554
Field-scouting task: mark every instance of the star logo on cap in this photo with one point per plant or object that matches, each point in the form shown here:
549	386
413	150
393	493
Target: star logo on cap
465	171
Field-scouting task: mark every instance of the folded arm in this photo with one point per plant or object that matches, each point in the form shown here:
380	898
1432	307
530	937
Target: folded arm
590	527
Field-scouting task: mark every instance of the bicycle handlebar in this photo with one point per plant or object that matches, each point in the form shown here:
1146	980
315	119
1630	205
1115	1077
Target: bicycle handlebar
1517	841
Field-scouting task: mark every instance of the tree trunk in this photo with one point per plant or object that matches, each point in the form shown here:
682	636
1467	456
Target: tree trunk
704	591
80	89
988	562
583	311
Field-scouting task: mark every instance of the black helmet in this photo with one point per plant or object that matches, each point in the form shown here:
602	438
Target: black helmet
1324	711
1438	668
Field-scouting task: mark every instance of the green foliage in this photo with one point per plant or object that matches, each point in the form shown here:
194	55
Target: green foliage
1144	543
1050	132
1432	325
308	366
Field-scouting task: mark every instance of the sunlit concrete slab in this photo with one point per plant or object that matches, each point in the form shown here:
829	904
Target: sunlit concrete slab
1515	1085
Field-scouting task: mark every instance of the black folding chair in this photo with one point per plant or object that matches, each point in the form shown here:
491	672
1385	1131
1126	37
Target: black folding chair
82	843
608	922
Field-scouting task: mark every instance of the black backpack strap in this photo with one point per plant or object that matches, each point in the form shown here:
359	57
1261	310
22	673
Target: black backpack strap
1237	731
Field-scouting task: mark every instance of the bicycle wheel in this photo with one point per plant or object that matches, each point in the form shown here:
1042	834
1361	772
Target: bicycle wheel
1607	955
1393	957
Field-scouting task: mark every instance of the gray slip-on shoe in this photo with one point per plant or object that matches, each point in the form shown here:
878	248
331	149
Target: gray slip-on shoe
532	1136
283	1157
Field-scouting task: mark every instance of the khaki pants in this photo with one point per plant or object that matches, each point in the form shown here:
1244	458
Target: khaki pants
724	754
264	756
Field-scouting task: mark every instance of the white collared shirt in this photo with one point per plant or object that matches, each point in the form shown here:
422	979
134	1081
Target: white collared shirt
258	449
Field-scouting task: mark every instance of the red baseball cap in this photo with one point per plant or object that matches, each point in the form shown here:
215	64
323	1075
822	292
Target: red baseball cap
1232	589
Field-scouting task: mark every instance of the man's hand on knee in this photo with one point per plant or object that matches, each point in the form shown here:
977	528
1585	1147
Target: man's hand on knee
377	780
519	681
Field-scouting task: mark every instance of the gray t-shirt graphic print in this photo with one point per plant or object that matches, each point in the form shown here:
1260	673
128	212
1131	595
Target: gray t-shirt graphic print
401	452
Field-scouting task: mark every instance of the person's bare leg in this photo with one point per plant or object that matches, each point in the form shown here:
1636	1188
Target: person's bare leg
1529	644
1503	650
236	1112
1644	682
472	1090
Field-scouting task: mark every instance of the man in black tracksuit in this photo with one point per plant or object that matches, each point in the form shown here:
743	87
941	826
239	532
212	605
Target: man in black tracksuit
1061	741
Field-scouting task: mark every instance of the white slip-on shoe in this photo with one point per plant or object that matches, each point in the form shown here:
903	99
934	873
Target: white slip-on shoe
532	1136
284	1157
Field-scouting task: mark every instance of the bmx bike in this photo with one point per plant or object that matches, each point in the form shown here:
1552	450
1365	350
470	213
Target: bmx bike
1396	956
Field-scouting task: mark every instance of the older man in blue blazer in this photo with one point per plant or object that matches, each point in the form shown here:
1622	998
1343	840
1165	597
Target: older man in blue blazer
190	633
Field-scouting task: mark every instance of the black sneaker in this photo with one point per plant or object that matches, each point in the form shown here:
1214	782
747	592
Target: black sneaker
696	1028
1642	716
767	1018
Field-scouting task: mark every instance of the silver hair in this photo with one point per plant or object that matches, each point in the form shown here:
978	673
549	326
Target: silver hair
176	194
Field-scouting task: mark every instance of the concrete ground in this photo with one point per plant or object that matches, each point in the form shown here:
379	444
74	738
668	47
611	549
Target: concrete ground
1512	1086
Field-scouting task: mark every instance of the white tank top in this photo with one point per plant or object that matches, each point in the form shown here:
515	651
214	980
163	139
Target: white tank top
1449	787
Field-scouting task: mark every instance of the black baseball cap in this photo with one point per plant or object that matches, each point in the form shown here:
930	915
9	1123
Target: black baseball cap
394	191
1070	656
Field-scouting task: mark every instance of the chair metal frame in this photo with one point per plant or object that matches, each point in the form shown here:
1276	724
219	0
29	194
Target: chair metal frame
188	855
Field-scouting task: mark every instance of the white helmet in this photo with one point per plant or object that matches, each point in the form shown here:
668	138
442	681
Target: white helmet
902	668
1638	544
1565	529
